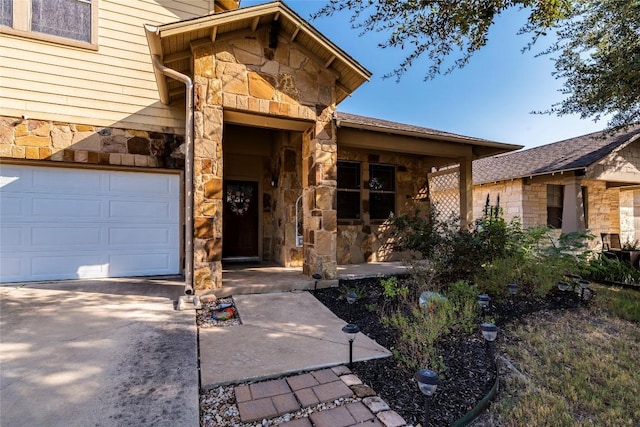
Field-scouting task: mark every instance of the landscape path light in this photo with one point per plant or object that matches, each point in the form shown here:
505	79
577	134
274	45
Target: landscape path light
350	330
490	333
483	302
584	284
351	298
513	291
513	288
428	382
316	277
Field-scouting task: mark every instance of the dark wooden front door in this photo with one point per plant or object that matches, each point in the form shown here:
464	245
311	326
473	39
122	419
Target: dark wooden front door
240	219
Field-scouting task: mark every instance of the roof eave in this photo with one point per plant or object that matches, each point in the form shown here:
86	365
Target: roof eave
494	147
533	175
222	18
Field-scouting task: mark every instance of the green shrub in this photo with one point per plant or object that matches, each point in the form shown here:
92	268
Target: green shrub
457	254
417	333
534	275
419	327
536	262
393	289
417	231
601	267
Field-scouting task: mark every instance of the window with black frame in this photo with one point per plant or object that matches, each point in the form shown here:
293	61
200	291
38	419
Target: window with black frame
348	190
382	191
555	201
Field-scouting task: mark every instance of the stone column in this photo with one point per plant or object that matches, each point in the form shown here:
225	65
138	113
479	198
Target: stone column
207	170
572	206
466	193
319	154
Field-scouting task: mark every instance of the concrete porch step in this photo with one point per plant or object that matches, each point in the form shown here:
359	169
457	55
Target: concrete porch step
270	286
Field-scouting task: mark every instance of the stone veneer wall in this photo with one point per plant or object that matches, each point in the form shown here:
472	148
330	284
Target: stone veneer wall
79	143
607	208
245	74
511	198
365	240
280	227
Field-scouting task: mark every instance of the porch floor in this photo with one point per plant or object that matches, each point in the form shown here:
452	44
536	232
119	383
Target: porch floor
258	278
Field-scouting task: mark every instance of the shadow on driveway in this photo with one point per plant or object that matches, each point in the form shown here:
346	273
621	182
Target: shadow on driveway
97	353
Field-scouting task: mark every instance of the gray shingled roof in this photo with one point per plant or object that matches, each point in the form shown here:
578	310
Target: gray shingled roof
570	154
395	127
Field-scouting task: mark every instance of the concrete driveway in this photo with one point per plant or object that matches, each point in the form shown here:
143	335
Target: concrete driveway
97	353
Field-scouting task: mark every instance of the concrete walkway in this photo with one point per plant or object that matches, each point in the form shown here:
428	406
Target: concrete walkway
281	333
97	353
265	277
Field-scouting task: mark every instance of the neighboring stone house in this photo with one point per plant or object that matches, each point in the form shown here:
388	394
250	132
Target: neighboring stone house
209	133
589	182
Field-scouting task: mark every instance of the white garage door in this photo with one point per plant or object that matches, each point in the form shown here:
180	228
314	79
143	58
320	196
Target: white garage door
62	223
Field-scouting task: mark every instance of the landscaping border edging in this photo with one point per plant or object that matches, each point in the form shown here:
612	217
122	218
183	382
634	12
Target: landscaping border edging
480	406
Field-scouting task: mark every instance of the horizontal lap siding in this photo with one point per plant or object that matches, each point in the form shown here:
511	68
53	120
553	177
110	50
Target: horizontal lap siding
114	86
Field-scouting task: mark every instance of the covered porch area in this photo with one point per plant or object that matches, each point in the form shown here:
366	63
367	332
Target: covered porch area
270	277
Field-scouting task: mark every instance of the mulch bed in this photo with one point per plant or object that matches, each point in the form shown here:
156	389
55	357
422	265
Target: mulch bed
468	376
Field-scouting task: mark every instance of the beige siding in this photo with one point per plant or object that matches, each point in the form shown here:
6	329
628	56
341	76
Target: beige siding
113	86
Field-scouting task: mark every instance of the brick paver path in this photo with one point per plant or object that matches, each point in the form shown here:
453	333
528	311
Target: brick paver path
270	399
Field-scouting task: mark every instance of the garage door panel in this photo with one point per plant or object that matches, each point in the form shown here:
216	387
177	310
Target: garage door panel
147	185
140	264
145	210
66	207
12	268
11	205
67	266
63	180
149	237
43	237
11	239
63	223
12	180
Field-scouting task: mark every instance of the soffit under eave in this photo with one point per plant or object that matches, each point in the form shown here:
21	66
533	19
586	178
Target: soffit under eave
175	40
419	144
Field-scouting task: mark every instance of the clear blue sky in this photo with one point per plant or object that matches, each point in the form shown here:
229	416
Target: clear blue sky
490	98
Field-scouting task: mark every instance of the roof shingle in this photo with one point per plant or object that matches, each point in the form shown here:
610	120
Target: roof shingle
569	154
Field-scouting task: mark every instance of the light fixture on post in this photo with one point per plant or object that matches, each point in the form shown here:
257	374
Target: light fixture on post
316	277
428	382
351	298
489	333
350	330
513	290
483	302
563	286
584	285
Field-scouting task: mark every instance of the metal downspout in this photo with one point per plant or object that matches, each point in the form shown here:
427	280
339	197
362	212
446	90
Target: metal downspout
188	170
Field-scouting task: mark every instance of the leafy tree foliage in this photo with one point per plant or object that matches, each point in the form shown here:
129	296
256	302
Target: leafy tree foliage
599	60
598	42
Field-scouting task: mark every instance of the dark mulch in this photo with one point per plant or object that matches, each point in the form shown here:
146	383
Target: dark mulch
468	376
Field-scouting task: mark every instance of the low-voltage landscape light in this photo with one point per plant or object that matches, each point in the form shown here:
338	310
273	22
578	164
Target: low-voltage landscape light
483	300
351	297
513	288
350	330
489	331
428	382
